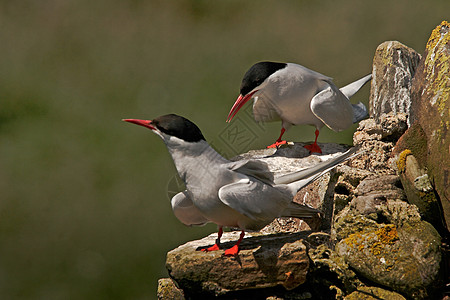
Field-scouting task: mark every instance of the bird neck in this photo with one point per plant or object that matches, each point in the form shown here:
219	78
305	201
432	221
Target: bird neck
192	159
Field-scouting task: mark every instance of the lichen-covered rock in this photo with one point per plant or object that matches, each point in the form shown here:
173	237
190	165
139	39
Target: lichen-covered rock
331	273
394	65
373	293
414	140
419	190
347	223
404	258
371	200
263	261
168	290
430	94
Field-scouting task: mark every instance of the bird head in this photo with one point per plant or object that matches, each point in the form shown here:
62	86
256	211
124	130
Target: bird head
253	82
171	126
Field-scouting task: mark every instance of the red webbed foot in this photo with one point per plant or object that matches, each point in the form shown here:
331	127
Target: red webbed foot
277	144
215	247
233	251
313	148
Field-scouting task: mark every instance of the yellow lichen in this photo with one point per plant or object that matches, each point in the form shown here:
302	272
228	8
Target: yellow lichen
377	241
401	162
436	35
353	240
387	235
437	66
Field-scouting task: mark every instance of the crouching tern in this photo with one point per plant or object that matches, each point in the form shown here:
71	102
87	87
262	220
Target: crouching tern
297	95
242	194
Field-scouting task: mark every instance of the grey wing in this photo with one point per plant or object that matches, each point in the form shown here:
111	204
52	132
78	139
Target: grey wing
185	210
254	168
254	199
333	108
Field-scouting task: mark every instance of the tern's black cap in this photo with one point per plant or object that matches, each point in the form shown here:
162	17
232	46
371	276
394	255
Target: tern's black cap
258	73
179	127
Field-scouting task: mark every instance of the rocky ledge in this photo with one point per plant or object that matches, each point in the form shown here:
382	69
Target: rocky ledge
383	233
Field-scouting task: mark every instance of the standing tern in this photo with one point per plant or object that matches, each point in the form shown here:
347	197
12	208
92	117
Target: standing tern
241	194
297	95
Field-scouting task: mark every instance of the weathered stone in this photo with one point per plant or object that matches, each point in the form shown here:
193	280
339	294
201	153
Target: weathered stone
367	204
379	185
419	190
377	140
263	261
404	258
346	223
394	65
398	212
168	290
317	239
415	140
348	179
331	273
373	293
431	109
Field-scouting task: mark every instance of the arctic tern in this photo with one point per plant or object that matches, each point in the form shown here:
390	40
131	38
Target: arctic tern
237	194
297	95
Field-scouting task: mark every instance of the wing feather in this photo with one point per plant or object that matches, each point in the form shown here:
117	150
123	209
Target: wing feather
254	199
185	210
332	108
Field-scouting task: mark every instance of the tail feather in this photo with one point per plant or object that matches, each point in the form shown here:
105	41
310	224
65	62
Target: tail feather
324	166
359	112
299	211
298	180
351	89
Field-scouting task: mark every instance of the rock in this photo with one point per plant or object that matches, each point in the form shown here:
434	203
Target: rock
371	201
377	139
264	261
394	65
398	212
382	184
168	290
373	293
419	190
414	140
404	258
389	128
375	191
347	181
430	94
330	273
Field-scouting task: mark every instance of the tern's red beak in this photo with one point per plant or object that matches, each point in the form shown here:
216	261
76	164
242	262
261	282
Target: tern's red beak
144	123
241	100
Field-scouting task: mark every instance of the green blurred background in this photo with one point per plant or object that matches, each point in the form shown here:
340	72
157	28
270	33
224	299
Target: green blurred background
84	212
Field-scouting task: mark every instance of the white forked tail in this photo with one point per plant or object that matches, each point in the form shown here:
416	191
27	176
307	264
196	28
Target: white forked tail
300	179
351	88
359	109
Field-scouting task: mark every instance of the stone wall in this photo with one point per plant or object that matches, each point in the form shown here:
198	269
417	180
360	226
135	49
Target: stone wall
384	229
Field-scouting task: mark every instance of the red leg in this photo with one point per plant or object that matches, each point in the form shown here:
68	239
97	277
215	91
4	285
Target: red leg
216	246
314	147
278	142
235	249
